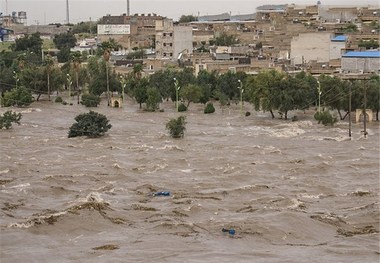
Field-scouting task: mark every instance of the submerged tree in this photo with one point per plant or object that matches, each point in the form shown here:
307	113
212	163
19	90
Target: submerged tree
8	117
90	124
19	97
177	127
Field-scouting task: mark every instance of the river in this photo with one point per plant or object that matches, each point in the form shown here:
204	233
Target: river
288	191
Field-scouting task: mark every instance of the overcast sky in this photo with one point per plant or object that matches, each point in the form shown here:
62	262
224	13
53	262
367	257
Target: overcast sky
54	11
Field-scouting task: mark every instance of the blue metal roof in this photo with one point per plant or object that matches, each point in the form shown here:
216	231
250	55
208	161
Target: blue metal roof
362	54
339	38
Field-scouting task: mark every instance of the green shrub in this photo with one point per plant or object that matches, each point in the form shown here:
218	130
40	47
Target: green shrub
8	117
325	118
58	99
90	100
176	127
182	107
209	108
19	97
90	124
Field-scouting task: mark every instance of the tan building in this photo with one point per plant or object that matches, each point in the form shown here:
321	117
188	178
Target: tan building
172	40
136	31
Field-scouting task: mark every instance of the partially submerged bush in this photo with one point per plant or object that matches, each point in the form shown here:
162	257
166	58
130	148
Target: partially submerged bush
182	107
8	117
58	99
325	118
176	127
90	124
19	97
209	108
90	100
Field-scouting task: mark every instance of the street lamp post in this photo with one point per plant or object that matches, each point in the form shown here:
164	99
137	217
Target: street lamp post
241	96
106	56
123	85
319	96
176	91
16	78
69	82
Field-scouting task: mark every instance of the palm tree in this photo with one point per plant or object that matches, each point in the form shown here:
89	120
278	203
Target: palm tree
49	63
76	59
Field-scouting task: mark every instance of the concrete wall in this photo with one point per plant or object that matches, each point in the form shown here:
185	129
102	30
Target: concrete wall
310	46
183	40
331	14
336	49
358	65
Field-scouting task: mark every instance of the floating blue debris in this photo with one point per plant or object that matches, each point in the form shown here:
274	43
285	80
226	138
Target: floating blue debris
162	193
230	231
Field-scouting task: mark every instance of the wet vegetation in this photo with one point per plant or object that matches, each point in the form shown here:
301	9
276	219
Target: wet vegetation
90	124
8	118
177	126
26	75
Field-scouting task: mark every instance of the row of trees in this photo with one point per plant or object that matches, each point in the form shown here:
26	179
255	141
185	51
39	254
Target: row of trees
271	91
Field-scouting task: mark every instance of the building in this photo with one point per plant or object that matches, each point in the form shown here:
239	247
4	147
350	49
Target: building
310	46
172	40
361	62
136	31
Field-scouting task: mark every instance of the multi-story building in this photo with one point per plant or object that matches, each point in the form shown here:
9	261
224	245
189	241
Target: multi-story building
172	40
136	31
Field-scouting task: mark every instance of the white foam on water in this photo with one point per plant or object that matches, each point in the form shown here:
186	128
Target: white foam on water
4	171
115	165
94	197
30	110
20	187
170	147
340	138
33	221
318	196
91	197
295	203
187	170
158	167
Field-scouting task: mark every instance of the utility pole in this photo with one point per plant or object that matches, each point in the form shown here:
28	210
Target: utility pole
177	87
365	111
349	110
128	11
241	96
319	96
67	12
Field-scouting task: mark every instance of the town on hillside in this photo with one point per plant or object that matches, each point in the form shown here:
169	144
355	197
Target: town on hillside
317	39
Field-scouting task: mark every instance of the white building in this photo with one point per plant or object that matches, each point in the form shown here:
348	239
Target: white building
319	47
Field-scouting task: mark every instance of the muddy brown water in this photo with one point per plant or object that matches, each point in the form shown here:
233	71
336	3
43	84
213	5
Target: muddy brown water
292	191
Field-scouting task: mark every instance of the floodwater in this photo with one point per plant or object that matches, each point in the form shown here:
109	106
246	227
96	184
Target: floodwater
292	191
